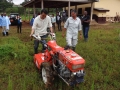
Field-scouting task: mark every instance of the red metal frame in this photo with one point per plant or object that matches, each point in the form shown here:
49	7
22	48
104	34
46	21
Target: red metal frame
67	57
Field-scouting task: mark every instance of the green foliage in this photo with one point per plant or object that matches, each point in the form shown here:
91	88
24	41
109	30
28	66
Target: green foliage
13	49
4	4
19	10
25	1
12	10
10	87
5	52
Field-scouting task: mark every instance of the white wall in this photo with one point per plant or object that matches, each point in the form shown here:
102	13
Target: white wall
112	5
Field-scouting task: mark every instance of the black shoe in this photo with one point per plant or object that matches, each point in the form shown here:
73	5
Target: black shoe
66	47
35	51
3	33
7	33
73	48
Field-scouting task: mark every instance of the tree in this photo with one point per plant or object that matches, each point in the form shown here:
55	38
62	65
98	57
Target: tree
5	4
10	1
12	10
25	1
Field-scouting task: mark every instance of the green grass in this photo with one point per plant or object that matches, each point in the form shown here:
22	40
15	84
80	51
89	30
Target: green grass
101	52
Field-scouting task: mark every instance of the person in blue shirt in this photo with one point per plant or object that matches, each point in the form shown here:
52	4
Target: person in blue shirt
3	24
19	24
32	20
0	20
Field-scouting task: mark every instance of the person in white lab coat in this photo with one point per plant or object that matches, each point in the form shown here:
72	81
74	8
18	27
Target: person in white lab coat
72	27
3	24
0	21
7	23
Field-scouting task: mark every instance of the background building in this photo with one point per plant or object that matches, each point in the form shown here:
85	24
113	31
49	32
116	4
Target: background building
104	10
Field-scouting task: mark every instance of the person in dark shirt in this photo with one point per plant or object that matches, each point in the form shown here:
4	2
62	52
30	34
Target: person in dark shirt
58	21
19	24
85	22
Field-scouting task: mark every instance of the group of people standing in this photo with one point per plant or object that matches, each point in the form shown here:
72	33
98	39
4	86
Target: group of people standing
58	19
4	23
72	28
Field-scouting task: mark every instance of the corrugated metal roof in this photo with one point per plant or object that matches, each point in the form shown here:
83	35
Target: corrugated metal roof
56	3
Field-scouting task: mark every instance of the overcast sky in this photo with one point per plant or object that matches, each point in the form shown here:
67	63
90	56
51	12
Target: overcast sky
17	1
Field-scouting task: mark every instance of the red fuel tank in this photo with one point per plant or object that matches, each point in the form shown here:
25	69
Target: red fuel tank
53	45
72	60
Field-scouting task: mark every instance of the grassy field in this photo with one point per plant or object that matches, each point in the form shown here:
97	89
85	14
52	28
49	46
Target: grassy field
101	52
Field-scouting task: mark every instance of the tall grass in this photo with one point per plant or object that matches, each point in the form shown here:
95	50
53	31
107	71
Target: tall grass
101	52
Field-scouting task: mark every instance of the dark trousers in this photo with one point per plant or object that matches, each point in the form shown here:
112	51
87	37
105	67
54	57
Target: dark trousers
53	25
64	19
19	28
43	42
85	32
59	25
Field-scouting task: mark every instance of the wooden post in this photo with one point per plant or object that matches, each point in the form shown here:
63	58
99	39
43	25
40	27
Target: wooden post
25	14
48	10
29	13
56	11
42	4
92	5
69	9
34	11
65	8
76	8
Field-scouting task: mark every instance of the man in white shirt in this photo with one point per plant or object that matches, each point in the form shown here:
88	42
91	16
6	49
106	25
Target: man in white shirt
72	27
53	20
39	27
